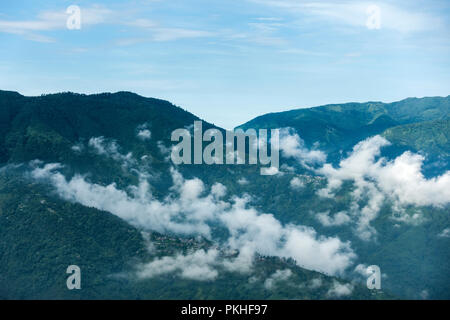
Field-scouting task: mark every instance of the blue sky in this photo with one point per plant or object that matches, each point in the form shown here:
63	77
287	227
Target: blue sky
229	61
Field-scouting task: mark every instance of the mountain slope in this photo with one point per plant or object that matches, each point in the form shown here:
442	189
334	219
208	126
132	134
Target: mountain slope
72	129
42	233
432	137
340	126
412	254
58	121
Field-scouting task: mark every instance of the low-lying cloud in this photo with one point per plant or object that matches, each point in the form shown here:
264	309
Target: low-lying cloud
339	290
277	277
199	265
109	148
191	209
378	180
292	146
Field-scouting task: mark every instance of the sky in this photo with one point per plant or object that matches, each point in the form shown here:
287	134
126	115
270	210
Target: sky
229	61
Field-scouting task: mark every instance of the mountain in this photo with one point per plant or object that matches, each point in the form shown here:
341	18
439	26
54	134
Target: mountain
74	168
432	137
48	126
41	235
97	136
413	255
338	127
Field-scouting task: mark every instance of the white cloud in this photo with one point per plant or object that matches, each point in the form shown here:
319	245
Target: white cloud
243	181
165	151
158	33
292	146
110	148
338	219
339	290
143	132
404	179
324	254
315	283
394	17
377	180
445	233
361	269
296	183
199	265
170	34
190	210
218	190
277	276
270	171
54	20
78	148
51	20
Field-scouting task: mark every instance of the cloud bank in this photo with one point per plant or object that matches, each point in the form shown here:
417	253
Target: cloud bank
377	180
191	209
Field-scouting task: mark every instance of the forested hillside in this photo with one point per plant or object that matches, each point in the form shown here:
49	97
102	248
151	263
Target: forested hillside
87	180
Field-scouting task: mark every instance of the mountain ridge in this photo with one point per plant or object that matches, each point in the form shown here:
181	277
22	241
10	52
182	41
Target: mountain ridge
49	127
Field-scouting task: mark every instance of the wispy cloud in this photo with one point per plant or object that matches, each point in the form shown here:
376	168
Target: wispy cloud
54	20
399	181
259	31
191	210
298	51
397	17
339	290
276	277
155	31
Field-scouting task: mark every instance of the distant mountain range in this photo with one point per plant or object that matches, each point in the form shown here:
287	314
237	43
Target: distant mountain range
415	124
96	142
